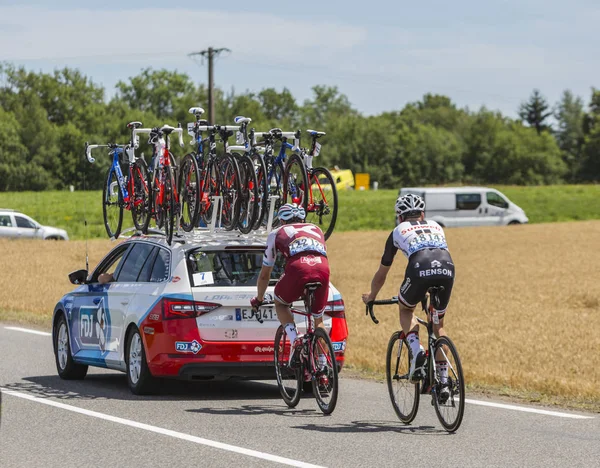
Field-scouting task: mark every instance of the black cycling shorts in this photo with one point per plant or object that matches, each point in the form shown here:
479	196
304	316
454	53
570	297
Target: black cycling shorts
427	268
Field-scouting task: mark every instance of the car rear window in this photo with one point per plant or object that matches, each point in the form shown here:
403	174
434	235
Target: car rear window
229	267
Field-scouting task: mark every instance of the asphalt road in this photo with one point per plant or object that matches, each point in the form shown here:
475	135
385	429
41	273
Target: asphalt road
97	422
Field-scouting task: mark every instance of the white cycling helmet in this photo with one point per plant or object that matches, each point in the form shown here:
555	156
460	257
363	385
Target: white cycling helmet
409	203
291	211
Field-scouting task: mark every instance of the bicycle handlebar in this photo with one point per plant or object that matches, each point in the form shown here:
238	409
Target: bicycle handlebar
89	148
369	308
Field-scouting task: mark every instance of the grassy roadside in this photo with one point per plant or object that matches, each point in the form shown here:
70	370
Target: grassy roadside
370	210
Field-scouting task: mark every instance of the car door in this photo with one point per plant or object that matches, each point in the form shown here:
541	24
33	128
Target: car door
469	209
92	314
26	228
7	227
497	206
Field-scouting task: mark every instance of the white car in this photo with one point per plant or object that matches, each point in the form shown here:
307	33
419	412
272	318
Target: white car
20	226
180	311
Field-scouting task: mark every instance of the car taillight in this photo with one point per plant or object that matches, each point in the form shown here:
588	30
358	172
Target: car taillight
177	308
336	309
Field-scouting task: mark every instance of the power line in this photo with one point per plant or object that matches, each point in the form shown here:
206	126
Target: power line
210	54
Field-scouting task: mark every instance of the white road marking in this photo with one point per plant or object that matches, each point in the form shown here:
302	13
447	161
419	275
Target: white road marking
28	330
160	430
527	409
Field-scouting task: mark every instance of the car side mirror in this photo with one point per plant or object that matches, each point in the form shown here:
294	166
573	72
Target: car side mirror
78	277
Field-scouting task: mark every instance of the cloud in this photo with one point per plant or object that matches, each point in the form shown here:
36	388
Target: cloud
121	36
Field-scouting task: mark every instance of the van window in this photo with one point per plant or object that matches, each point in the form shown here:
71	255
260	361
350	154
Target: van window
496	200
468	201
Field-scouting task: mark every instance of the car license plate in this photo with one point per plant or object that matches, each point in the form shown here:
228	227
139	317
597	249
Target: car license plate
267	314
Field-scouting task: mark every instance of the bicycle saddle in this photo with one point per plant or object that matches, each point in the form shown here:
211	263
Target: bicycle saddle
315	133
134	124
240	119
197	111
167	129
312	286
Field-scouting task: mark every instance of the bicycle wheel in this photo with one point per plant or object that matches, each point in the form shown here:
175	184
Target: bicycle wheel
289	380
230	190
112	204
295	182
157	203
325	382
275	187
210	185
322	205
248	194
169	203
404	395
263	190
140	196
449	410
189	192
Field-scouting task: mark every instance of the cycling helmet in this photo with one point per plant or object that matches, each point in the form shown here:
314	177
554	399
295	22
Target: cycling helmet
291	211
409	204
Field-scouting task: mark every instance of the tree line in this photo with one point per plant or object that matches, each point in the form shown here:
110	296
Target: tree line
45	118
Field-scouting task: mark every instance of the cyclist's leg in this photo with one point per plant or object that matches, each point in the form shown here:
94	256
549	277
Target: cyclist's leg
318	271
287	290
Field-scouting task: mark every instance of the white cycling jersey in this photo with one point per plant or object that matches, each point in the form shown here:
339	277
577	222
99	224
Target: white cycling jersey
412	236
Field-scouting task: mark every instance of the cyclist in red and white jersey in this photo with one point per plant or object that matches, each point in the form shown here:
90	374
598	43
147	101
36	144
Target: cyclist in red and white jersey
429	264
303	246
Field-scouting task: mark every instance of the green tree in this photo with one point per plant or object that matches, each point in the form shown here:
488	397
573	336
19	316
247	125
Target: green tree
570	133
536	111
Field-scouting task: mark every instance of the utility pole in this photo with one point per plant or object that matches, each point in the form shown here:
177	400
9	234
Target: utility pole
209	54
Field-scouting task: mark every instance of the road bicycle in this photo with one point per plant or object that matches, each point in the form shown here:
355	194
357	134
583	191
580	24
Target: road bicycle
205	175
164	201
122	192
316	363
443	378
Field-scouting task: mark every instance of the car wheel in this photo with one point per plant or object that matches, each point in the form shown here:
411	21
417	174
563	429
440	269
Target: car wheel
67	368
138	375
514	223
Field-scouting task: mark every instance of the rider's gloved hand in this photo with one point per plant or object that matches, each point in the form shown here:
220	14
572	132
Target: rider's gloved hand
255	302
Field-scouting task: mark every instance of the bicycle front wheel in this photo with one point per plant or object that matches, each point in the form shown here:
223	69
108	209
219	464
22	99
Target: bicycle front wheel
322	205
263	190
248	194
230	190
325	375
189	192
169	203
448	391
289	380
140	196
403	394
295	182
112	204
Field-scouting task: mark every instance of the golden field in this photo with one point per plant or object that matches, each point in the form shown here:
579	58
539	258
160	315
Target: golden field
524	314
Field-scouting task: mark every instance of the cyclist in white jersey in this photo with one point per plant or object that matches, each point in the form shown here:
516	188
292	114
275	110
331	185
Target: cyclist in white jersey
429	264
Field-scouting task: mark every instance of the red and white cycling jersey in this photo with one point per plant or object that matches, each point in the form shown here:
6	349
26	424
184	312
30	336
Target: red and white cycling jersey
293	240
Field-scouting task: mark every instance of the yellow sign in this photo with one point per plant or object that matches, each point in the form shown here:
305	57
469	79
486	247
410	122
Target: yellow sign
362	181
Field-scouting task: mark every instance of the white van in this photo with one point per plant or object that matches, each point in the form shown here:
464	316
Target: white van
468	206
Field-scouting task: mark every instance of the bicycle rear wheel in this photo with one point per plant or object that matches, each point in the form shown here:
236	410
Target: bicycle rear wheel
289	380
403	394
263	190
169	203
230	190
295	182
248	193
449	410
140	196
112	204
322	205
325	381
275	187
189	192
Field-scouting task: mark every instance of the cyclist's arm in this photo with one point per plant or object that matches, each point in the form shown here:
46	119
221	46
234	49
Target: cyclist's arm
381	274
267	266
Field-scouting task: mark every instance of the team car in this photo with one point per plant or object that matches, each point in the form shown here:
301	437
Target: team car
179	311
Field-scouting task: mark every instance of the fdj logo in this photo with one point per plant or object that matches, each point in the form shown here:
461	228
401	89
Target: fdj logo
188	347
94	325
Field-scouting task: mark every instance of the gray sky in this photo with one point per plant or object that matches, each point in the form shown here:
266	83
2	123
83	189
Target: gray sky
380	53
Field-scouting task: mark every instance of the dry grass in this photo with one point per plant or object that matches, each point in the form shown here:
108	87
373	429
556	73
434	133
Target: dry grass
524	313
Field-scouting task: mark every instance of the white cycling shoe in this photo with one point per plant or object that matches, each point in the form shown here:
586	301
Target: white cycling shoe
417	363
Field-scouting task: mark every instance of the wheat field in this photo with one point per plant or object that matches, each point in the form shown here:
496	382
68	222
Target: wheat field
524	312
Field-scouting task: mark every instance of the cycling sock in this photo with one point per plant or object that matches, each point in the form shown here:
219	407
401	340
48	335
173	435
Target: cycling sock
290	330
414	343
441	368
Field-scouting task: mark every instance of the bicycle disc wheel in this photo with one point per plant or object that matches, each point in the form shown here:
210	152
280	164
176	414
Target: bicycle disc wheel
403	394
295	182
169	203
325	383
275	187
449	411
140	196
263	190
322	205
289	380
248	194
112	204
230	190
189	192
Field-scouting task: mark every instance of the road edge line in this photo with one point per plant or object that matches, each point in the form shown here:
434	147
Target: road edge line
28	330
527	409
